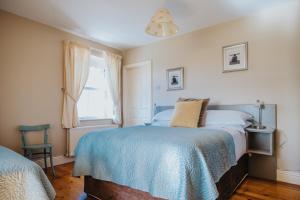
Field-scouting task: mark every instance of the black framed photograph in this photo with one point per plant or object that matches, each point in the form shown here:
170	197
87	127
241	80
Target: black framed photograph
235	57
175	79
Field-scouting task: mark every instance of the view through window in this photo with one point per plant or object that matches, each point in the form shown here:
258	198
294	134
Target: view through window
95	101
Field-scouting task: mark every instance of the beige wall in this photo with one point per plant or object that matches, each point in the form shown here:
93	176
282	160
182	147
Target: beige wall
273	76
31	78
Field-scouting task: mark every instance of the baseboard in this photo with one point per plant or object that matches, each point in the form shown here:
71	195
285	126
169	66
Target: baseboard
57	160
292	177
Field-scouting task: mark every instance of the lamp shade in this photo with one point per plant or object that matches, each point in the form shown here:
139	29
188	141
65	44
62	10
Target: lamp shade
161	24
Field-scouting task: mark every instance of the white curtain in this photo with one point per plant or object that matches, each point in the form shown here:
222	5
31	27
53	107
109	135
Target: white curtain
113	63
76	70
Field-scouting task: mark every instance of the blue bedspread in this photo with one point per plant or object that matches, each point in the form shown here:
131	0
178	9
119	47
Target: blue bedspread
170	163
22	179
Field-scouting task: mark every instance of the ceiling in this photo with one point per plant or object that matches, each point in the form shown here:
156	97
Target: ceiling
121	23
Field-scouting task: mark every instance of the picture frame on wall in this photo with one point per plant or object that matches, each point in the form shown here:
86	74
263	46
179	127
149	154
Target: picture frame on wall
235	57
175	79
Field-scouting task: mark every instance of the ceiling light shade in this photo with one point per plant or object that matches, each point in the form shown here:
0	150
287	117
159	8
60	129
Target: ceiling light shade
161	24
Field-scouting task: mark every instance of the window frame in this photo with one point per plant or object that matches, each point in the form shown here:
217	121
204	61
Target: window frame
95	122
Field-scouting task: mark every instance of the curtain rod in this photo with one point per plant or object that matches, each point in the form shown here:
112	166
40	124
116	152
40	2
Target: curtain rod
84	45
102	51
98	50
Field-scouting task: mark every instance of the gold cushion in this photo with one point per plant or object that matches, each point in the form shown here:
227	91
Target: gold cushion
186	114
205	103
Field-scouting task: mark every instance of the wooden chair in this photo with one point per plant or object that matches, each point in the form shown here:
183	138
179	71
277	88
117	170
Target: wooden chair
37	149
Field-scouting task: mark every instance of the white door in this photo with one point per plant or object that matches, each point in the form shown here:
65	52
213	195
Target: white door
137	82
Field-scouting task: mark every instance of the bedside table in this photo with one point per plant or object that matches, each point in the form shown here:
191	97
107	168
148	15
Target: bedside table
260	141
262	156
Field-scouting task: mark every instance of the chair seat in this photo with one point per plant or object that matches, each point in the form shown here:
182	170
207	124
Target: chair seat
37	146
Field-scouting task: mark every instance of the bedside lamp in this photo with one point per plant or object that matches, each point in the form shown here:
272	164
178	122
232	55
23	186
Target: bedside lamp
261	106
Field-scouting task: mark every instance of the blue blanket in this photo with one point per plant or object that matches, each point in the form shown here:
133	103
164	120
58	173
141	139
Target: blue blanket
170	163
23	179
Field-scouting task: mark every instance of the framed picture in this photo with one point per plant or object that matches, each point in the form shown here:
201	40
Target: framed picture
175	79
235	57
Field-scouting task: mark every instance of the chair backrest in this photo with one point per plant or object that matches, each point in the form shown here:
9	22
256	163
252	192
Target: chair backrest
37	128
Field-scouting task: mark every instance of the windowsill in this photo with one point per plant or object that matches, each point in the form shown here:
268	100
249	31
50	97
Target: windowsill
96	122
86	119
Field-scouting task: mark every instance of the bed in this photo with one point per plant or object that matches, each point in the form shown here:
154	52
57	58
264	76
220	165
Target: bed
114	161
23	179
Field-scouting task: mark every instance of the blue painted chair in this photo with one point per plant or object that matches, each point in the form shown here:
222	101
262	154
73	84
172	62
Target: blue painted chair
37	149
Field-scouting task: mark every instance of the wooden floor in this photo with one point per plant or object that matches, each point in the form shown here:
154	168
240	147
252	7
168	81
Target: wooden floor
68	187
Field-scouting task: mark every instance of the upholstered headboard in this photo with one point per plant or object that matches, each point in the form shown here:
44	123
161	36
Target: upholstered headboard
269	113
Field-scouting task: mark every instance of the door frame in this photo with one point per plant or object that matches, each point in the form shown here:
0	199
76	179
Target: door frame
146	63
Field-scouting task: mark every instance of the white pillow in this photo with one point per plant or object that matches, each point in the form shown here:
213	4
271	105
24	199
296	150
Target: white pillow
240	128
165	115
163	123
224	117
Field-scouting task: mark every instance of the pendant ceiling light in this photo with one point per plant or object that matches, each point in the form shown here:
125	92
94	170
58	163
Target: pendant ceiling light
161	24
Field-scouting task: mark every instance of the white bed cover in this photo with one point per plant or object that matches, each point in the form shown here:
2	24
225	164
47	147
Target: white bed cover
239	138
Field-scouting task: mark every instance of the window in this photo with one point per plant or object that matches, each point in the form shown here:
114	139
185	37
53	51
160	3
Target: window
95	101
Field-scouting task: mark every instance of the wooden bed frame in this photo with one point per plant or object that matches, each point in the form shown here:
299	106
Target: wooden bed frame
104	190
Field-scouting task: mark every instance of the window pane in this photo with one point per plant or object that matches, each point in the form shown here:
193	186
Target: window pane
95	101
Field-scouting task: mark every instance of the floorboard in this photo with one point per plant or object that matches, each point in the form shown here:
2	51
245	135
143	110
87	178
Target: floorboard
71	188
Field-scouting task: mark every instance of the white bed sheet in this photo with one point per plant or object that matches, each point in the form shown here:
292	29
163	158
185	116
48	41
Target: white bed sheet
239	138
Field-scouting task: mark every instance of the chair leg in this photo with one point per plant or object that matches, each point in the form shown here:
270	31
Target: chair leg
45	160
25	153
51	162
